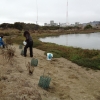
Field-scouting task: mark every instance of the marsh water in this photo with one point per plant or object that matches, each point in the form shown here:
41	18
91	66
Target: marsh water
84	41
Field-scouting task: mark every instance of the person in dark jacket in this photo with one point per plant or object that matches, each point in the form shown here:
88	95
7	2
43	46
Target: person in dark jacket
29	43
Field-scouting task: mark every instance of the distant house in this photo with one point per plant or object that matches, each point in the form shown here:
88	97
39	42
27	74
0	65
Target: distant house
62	24
94	24
51	23
76	23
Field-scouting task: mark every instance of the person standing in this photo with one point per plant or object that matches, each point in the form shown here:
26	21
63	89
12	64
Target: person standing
2	44
29	44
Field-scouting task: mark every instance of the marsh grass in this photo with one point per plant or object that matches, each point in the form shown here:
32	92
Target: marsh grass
8	32
83	57
18	40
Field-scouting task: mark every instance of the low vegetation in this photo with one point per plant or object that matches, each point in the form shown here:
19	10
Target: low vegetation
83	57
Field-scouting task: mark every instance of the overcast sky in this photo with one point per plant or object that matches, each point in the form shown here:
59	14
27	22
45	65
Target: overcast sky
42	11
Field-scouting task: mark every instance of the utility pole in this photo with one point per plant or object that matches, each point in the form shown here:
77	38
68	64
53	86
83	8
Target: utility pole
67	23
67	14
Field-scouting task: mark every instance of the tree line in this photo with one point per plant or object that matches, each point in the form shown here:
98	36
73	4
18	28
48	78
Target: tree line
31	26
20	26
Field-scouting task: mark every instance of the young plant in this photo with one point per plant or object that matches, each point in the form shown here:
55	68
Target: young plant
30	68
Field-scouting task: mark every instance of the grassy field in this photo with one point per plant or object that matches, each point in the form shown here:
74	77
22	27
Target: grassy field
83	57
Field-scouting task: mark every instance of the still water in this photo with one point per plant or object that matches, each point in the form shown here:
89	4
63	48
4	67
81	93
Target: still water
84	41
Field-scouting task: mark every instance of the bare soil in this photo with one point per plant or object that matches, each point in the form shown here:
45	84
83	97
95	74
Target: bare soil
68	80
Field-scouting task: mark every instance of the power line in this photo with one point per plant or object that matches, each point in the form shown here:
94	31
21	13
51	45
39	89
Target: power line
67	14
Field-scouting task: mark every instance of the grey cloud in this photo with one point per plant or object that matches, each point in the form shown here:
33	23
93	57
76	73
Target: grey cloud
46	10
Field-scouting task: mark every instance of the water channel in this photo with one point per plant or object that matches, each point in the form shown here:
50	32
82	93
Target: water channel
84	41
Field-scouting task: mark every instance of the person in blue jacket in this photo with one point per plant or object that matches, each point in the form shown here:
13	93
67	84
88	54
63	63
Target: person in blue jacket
2	44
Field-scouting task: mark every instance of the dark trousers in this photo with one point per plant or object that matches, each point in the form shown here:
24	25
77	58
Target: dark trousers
3	46
29	45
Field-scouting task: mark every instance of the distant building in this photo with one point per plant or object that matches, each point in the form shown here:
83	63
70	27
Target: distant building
51	23
95	24
72	25
76	23
62	24
45	24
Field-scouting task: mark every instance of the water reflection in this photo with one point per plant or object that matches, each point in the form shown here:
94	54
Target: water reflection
85	41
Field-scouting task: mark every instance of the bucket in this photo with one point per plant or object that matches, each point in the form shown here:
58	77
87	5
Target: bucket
24	43
49	56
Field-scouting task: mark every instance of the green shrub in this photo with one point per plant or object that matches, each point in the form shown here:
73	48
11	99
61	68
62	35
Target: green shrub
18	40
36	43
86	62
75	57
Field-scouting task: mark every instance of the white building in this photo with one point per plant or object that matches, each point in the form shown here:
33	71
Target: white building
95	24
77	23
51	23
62	24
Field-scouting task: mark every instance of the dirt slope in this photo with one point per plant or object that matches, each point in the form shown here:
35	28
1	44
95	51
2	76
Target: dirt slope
68	80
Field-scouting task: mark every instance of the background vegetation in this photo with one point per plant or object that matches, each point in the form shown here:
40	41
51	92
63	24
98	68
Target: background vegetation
30	26
83	57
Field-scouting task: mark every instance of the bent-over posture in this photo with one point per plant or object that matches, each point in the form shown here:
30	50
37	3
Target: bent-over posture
29	44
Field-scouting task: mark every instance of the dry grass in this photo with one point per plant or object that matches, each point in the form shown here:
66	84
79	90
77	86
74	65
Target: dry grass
8	41
9	31
30	68
8	54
